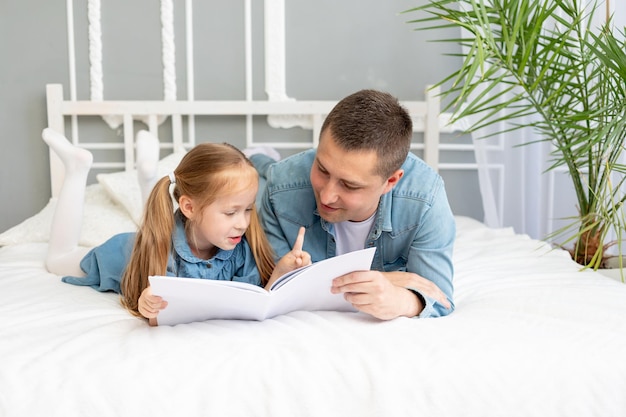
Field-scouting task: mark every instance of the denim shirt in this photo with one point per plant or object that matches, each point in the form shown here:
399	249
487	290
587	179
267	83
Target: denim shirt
413	231
104	265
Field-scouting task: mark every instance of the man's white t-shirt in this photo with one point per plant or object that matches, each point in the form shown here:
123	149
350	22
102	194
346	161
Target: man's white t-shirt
351	236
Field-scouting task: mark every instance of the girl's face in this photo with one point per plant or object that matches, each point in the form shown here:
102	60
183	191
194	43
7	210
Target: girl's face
222	223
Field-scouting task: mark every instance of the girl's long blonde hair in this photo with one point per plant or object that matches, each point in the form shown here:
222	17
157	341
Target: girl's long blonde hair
206	172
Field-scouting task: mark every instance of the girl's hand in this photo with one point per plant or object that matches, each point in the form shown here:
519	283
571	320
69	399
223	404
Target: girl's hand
149	305
292	260
297	257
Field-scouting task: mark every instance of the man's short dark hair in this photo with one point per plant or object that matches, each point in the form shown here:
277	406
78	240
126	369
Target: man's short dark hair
372	120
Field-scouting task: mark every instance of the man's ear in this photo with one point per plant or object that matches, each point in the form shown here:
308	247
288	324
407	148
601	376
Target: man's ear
186	206
393	180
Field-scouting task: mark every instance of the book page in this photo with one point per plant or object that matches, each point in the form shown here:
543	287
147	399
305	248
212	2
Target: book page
193	299
286	277
309	288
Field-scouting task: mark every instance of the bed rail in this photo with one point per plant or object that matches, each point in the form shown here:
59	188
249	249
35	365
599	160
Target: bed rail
310	114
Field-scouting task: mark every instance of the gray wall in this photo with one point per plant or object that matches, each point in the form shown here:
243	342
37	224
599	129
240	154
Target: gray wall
333	49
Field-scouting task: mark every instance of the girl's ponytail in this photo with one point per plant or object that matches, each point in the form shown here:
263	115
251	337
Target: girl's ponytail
261	248
152	245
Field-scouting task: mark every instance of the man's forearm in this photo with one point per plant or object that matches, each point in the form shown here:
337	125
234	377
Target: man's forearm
415	303
419	286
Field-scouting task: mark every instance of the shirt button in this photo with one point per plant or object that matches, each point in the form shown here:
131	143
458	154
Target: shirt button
208	265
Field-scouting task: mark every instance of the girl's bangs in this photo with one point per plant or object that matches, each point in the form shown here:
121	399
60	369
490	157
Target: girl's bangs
238	179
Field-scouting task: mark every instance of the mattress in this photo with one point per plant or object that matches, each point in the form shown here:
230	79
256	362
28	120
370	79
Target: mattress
531	335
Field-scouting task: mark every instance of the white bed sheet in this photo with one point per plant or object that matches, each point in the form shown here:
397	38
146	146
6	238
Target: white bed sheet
531	336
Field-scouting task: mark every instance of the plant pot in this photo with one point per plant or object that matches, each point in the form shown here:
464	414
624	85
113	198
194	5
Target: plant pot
612	269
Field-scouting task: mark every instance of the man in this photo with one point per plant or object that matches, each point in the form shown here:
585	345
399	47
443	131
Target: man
360	188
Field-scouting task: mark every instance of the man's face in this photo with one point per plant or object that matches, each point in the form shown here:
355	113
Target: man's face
345	184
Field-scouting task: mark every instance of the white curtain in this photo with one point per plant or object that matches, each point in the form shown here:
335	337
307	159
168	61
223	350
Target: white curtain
516	189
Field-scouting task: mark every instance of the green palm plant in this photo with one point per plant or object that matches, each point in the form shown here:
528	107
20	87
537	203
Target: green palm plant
543	61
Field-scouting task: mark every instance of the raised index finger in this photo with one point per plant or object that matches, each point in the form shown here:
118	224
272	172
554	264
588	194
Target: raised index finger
297	246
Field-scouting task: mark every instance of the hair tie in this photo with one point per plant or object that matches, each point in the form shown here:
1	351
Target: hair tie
172	177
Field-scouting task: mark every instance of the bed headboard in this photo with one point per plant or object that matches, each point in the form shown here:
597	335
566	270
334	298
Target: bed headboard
137	114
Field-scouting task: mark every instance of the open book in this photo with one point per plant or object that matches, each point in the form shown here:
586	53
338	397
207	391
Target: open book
306	288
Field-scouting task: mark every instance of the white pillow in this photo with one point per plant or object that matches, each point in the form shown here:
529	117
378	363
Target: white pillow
102	218
123	187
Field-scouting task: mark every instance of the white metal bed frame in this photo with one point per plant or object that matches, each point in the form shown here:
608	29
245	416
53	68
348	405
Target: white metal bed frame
280	109
425	114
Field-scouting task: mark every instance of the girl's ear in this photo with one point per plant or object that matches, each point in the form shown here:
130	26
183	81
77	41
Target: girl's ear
186	206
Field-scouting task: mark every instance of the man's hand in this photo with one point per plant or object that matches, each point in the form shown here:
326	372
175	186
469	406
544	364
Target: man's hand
383	294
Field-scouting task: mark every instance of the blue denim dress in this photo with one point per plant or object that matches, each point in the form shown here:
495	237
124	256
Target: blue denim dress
105	264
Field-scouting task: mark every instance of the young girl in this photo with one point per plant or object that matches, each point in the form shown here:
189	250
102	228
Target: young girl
213	234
